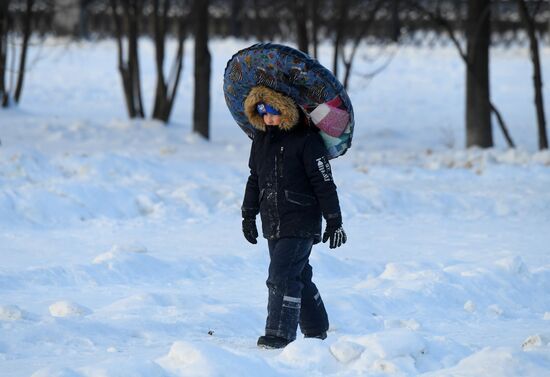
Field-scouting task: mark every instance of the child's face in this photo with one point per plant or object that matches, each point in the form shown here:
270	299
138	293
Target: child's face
272	119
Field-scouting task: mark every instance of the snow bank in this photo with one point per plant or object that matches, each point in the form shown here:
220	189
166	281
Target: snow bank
499	362
204	360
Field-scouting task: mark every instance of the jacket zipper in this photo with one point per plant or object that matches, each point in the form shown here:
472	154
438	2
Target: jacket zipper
279	166
280	162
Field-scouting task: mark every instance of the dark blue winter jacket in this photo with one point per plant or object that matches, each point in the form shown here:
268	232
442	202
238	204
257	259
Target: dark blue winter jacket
290	183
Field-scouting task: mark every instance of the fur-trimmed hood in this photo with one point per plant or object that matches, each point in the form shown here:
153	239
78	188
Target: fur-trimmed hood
286	106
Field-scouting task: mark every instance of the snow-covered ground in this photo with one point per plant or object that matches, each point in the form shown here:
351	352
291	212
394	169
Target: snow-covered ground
121	251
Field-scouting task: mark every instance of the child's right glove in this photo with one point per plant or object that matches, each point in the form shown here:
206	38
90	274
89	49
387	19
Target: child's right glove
335	233
249	229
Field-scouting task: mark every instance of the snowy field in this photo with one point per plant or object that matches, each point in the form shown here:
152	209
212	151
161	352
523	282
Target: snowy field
122	255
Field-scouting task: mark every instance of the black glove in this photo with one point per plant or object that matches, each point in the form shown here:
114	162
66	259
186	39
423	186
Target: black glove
335	233
249	230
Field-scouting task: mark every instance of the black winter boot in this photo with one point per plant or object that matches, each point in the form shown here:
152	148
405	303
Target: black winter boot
321	336
270	341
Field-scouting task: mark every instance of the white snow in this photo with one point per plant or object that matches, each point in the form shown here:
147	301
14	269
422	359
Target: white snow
10	313
345	351
122	254
470	306
68	309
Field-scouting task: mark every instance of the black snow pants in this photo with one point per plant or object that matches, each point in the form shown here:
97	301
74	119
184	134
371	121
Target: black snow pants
293	297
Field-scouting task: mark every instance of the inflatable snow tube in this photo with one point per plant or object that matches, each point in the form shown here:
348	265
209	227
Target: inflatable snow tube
291	72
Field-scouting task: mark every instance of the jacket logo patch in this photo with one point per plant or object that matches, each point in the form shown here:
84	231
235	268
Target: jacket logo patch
324	168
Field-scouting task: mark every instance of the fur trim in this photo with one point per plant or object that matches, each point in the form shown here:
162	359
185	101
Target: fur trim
286	106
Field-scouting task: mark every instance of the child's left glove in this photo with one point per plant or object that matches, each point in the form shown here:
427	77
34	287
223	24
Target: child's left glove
335	233
249	230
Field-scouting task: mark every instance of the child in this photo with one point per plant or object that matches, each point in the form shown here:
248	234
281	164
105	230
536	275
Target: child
291	186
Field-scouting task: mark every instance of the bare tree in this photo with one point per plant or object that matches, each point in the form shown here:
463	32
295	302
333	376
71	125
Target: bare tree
365	26
258	26
166	89
14	90
315	6
343	11
306	18
300	12
4	30
529	23
24	49
201	109
343	35
478	108
396	24
442	22
128	64
237	10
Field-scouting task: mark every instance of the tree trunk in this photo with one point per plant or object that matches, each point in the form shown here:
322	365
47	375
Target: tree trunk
122	66
166	89
4	27
83	16
396	23
478	107
201	108
300	19
537	75
159	38
129	68
24	49
236	18
177	66
258	27
133	58
314	11
339	38
175	74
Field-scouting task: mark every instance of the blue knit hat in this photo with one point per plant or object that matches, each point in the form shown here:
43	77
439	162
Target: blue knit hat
264	108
